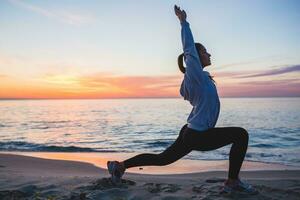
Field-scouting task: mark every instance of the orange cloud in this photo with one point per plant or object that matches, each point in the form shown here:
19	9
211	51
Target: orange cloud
133	86
2	76
92	86
283	82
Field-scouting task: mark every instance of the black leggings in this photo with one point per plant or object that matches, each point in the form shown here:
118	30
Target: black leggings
190	139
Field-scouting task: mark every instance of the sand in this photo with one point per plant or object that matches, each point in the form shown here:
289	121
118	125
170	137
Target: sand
27	177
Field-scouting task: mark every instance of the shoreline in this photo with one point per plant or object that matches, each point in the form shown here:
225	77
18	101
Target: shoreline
181	166
27	177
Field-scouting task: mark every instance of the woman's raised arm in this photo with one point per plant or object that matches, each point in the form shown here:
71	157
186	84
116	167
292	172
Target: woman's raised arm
194	69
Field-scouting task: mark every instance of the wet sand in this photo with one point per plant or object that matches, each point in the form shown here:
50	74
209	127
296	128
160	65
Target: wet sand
56	176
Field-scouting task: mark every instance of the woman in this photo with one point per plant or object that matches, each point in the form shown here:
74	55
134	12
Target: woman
199	133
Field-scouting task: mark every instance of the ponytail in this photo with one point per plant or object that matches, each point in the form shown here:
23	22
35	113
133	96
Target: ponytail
180	63
182	68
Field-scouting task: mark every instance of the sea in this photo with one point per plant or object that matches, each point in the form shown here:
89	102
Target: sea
147	126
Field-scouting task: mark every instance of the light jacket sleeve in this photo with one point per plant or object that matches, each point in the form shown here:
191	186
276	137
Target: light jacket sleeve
194	69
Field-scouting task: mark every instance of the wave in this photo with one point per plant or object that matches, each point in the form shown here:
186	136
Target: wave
54	121
3	125
158	144
25	146
42	124
263	145
41	127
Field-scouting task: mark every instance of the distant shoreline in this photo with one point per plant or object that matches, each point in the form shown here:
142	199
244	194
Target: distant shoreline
244	97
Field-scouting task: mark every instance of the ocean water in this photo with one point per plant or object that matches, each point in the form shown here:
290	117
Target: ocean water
147	125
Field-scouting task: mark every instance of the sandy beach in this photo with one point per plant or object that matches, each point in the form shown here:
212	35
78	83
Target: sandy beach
27	177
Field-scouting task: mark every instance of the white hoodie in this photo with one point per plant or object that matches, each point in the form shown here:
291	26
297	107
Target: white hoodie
197	87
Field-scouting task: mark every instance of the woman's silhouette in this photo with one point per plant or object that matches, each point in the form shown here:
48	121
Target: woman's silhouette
199	133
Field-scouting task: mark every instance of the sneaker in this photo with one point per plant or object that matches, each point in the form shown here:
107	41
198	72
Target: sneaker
239	186
114	168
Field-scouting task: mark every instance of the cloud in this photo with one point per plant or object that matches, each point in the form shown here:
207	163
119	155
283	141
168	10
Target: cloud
260	89
252	61
227	74
272	88
62	16
273	82
253	74
3	76
249	84
272	72
105	85
133	86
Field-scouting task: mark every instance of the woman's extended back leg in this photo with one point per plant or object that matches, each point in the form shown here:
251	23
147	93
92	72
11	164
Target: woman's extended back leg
174	152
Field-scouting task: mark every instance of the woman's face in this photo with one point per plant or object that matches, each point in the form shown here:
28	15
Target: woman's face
204	56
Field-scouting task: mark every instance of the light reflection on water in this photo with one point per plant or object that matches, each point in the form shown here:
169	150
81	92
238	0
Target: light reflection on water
146	125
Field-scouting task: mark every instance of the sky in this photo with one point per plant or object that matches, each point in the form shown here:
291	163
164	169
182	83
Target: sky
129	49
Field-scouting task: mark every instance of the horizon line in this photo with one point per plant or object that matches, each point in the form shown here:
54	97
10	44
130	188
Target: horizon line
3	99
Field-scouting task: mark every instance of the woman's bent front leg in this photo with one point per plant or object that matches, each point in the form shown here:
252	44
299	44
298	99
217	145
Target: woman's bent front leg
218	137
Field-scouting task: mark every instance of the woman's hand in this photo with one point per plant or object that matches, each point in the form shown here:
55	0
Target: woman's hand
180	13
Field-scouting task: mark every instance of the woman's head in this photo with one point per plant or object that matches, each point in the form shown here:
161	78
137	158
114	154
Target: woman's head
202	53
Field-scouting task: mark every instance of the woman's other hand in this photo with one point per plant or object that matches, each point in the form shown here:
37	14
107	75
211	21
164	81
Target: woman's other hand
180	13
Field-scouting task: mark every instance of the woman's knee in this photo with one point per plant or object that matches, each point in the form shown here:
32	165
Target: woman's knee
243	134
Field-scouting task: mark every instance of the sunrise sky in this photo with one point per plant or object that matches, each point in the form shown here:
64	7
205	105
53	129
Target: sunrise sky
120	49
